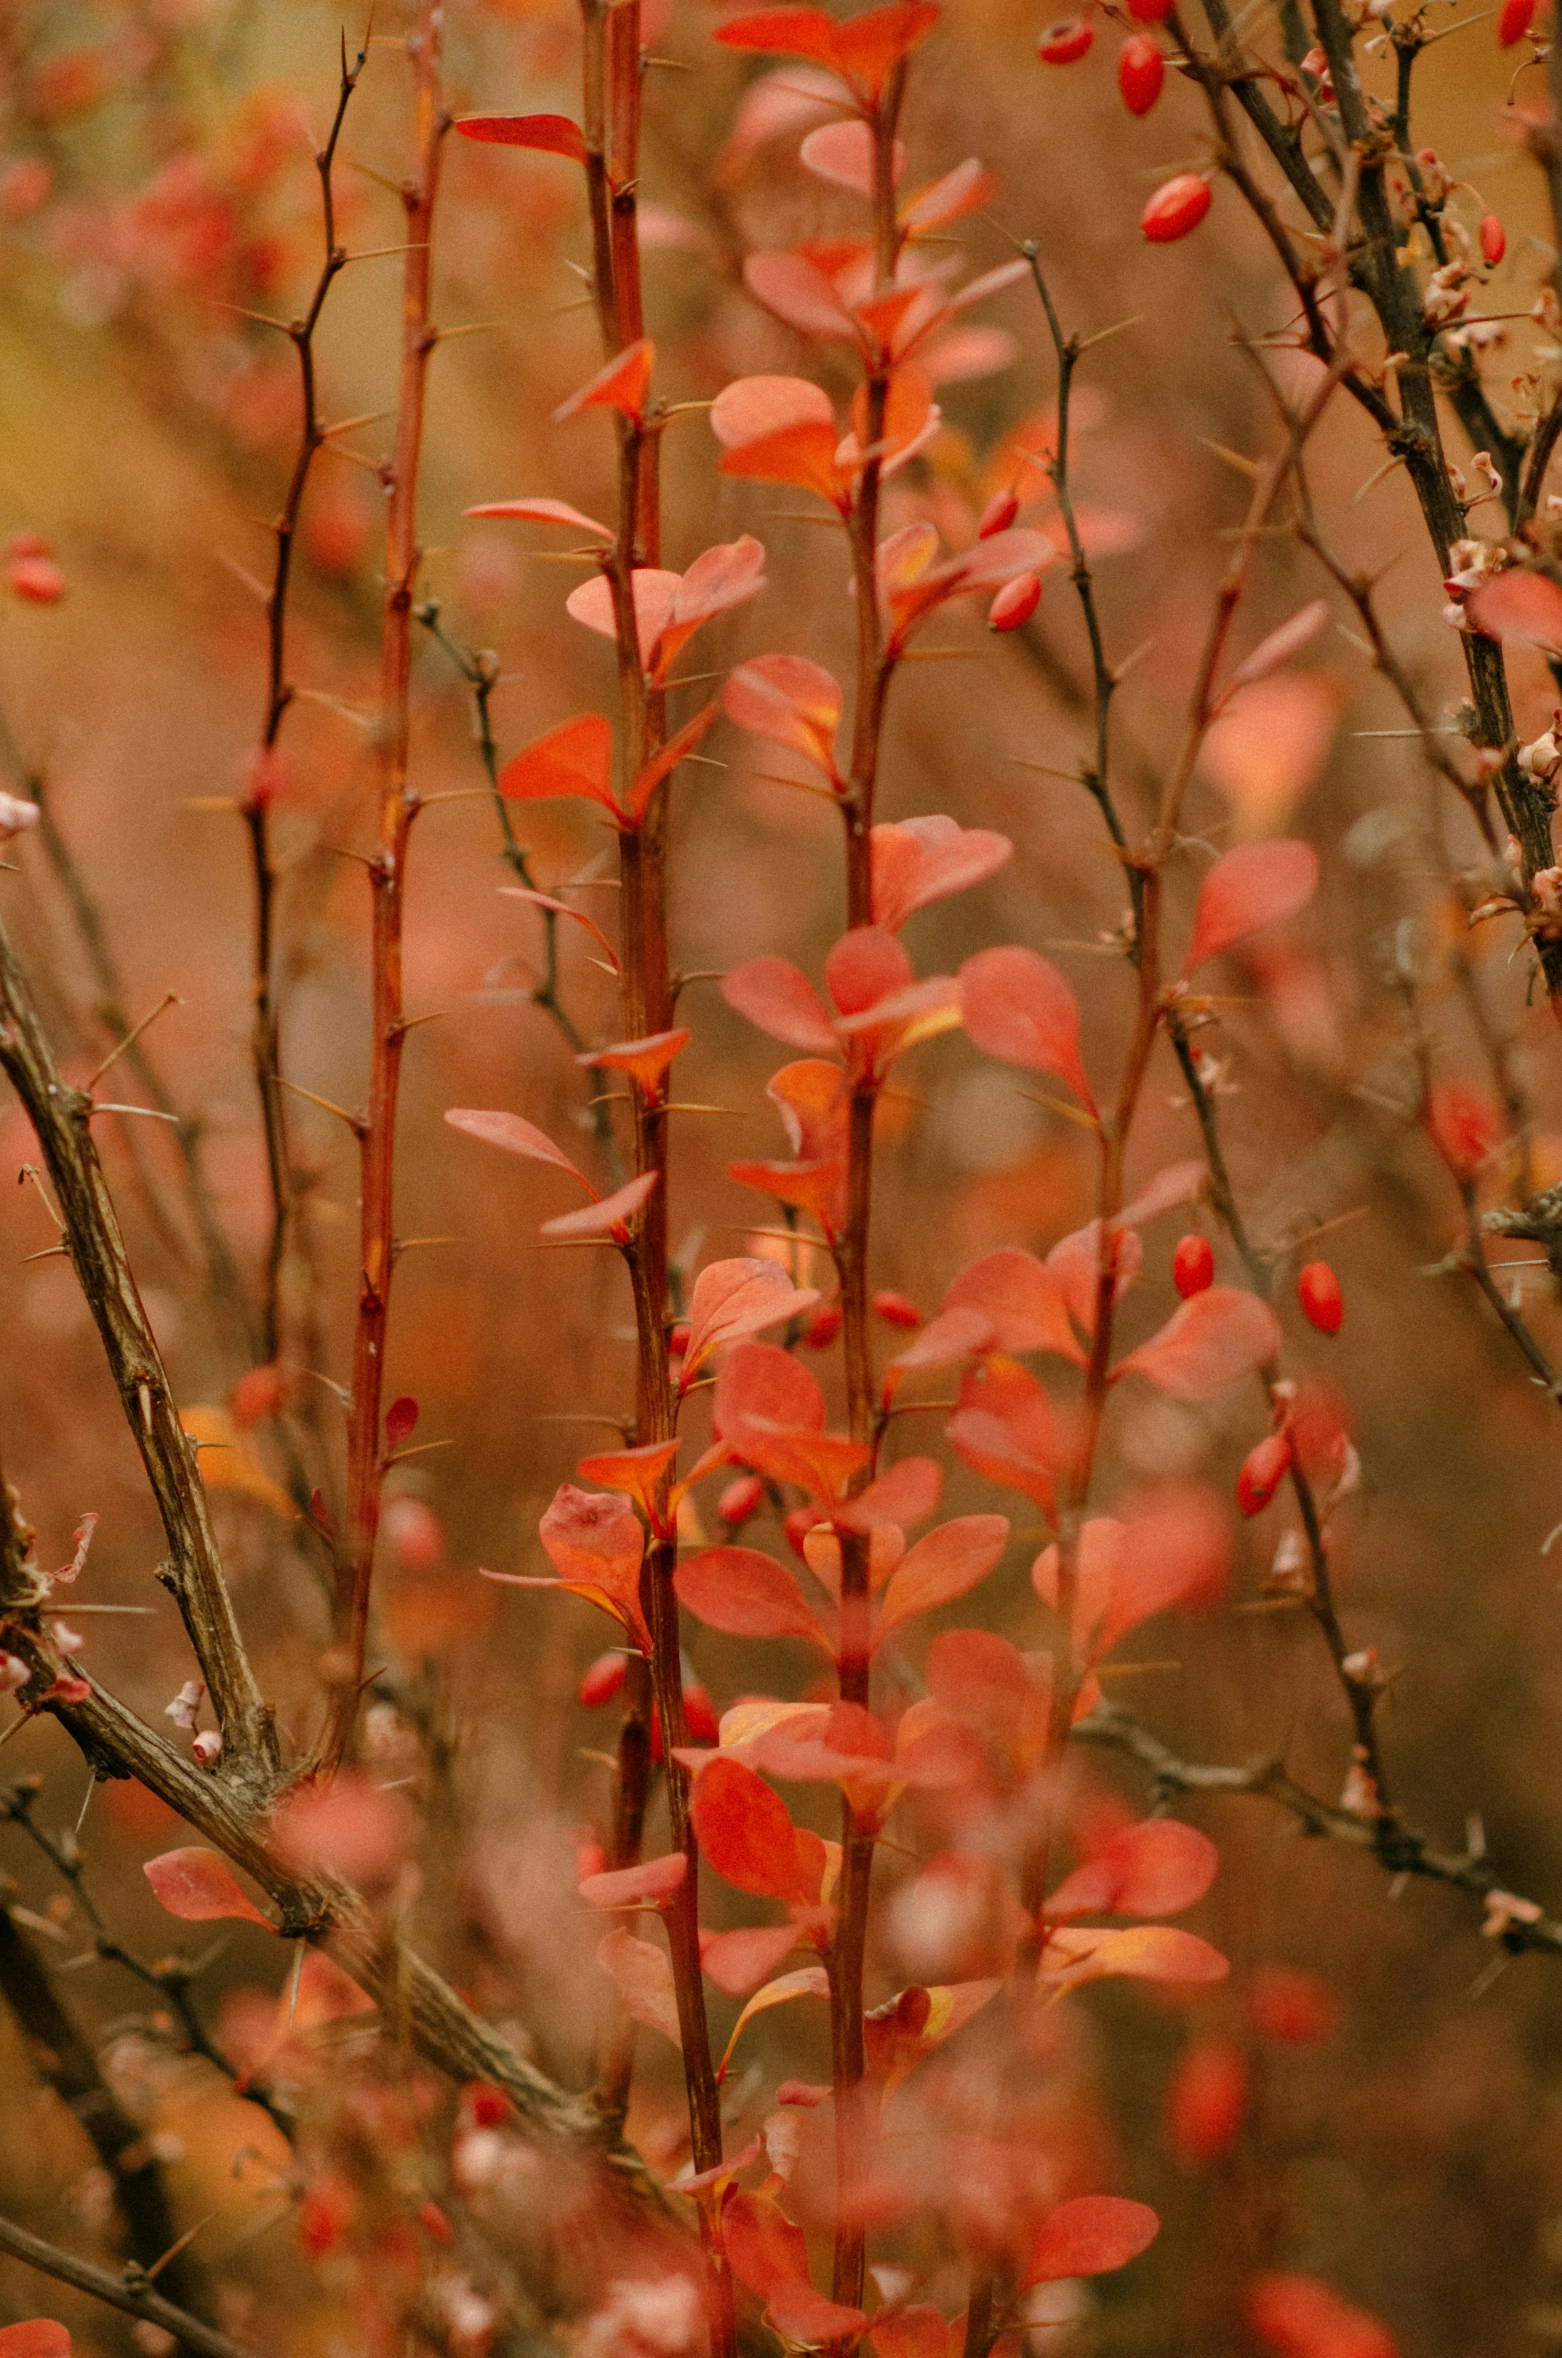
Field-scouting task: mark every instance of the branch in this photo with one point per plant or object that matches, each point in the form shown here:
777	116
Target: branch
1518	1923
133	2292
61	1117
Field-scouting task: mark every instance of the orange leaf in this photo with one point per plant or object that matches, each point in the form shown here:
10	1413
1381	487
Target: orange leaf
746	1835
1146	1952
789	701
779	998
946	1564
844	154
1022	1298
574	758
751	409
805	1981
747	1594
552	135
621	385
637	1472
802	456
515	1135
1301	2317
735	1298
200	1888
35	2337
544	511
1154	1869
662	763
1258	884
650	1882
545	900
645	1061
920	861
609	1216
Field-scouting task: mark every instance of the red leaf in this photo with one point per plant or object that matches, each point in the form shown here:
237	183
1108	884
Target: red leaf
801	2315
1218	1335
1019	1008
545	900
867	46
736	1298
595	1544
947	1339
1024	1300
865	966
1088	2237
574	758
803	456
790	701
947	1563
1175	1549
35	2337
798	292
1258	884
1300	2317
200	1888
650	1881
621	385
907	1493
965	190
1004	1428
515	1135
637	1472
610	1216
552	135
544	511
779	998
747	1594
746	1835
719	579
1154	1869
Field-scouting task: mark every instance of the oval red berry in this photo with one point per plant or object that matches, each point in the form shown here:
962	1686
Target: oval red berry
1318	1291
1263	1470
1068	40
1514	21
1494	240
1141	70
1015	603
998	514
1177	207
1193	1265
603	1681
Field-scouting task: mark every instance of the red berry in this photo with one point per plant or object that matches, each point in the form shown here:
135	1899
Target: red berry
37	579
799	1523
28	544
603	1681
1193	1265
740	1499
1263	1471
1514	21
895	1310
1177	207
823	1327
1068	40
1290	2006
678	1342
1206	2102
1149	12
1494	240
998	514
1318	1291
1141	69
490	2107
1015	603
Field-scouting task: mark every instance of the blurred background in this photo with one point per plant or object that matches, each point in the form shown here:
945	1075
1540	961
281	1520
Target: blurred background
1403	2132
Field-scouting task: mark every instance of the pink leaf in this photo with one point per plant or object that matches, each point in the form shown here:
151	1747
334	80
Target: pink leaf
747	1594
947	1563
642	1974
1019	1008
1024	1300
607	1217
654	590
720	578
797	291
737	1962
1280	645
736	1298
964	190
789	701
1088	2237
545	511
947	1339
1209	1342
515	1136
920	861
1520	607
865	966
200	1888
779	998
651	1882
752	408
843	153
1258	884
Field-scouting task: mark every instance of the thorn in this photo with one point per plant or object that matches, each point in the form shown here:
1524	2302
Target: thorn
355	1122
169	999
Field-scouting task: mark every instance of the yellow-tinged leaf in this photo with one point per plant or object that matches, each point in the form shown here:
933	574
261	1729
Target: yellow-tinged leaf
228	1462
806	1981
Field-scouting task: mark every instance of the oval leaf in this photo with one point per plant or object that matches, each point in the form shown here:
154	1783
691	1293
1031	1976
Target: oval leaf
1258	884
1088	2237
200	1888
